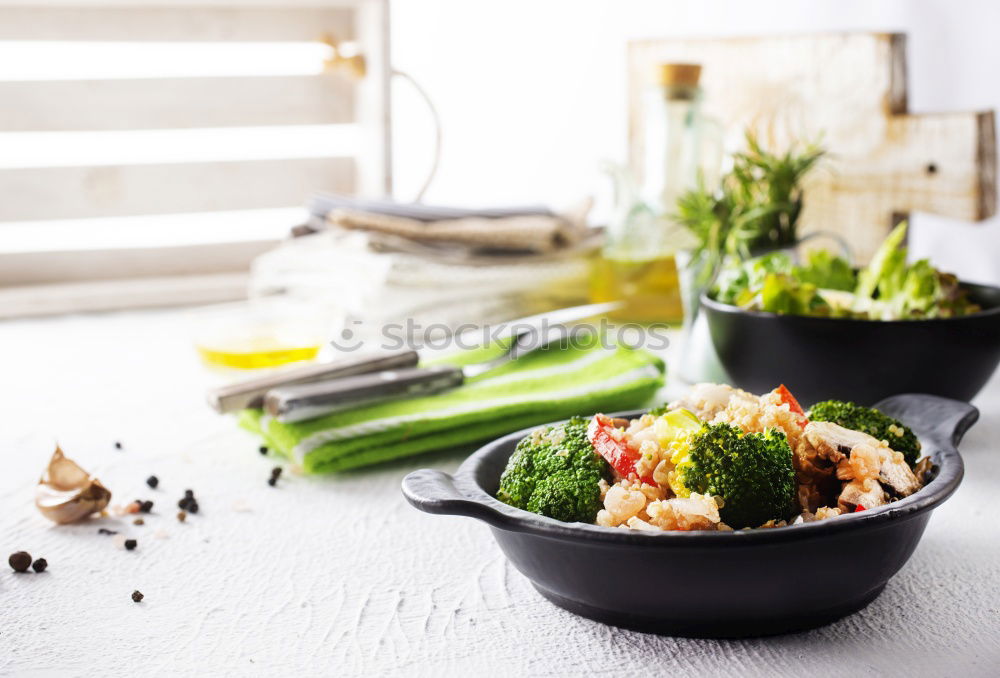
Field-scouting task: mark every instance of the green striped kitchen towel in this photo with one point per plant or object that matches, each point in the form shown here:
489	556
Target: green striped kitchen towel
542	386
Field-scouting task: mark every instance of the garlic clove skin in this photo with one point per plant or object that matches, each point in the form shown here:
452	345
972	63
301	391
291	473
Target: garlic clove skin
66	493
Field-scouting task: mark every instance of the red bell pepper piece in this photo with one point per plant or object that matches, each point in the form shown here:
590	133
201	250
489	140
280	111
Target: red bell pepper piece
618	453
793	405
859	507
787	398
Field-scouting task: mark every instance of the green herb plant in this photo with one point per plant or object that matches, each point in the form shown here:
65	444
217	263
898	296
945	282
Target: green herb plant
756	206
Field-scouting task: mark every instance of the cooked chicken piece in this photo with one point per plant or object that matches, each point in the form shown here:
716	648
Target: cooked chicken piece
860	456
865	493
863	462
835	442
895	474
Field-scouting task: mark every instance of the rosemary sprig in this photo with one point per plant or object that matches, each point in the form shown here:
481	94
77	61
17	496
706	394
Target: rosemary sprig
755	207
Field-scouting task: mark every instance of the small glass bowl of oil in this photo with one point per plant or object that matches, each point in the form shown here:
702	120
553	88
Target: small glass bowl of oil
262	333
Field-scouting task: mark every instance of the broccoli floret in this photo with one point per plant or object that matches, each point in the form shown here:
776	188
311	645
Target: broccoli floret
555	472
871	421
752	473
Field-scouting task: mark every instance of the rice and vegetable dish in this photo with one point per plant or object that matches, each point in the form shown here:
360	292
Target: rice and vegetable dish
718	459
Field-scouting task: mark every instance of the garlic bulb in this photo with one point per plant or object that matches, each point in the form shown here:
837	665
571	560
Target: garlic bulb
66	493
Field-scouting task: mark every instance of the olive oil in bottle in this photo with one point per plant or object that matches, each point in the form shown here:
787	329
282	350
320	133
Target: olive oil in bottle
649	287
638	264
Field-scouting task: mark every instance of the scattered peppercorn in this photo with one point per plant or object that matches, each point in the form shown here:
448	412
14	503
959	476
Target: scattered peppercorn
276	472
40	565
105	530
152	481
118	444
145	506
130	544
272	481
182	516
20	561
188	504
138	521
189	494
137	596
263	449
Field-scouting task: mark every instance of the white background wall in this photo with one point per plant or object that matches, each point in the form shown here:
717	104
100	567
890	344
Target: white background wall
532	92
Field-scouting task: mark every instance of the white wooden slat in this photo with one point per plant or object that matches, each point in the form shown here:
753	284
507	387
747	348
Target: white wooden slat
325	4
375	99
81	192
183	24
38	268
111	295
175	103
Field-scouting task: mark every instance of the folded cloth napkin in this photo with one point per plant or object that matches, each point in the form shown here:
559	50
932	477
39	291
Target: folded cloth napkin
527	233
542	386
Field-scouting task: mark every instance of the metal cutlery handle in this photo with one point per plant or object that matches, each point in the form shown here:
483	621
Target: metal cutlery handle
244	394
305	401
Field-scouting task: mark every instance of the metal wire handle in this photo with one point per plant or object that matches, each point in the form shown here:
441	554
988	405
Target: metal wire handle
437	130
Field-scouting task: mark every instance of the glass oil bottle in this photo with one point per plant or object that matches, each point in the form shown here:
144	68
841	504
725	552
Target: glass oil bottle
638	262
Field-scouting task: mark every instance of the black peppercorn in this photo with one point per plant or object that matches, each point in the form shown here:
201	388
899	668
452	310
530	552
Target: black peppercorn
192	506
189	494
272	481
20	561
152	481
137	596
130	544
263	449
118	444
40	565
105	530
145	506
276	472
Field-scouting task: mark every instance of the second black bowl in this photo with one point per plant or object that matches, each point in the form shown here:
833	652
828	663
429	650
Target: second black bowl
859	360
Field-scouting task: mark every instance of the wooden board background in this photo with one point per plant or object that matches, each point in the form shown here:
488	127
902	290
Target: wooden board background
848	91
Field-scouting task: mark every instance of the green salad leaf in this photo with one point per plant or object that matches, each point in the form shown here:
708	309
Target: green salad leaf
783	293
826	285
827	271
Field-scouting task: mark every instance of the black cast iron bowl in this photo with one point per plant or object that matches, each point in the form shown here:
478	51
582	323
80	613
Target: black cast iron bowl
859	360
710	584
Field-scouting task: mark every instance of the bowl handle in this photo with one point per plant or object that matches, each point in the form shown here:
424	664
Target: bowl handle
435	492
941	420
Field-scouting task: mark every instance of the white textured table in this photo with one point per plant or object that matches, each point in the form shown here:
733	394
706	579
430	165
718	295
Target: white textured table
340	576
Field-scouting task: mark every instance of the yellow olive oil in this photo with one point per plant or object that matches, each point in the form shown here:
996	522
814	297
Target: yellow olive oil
257	353
650	288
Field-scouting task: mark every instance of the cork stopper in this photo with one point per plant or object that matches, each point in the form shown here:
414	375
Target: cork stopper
683	75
